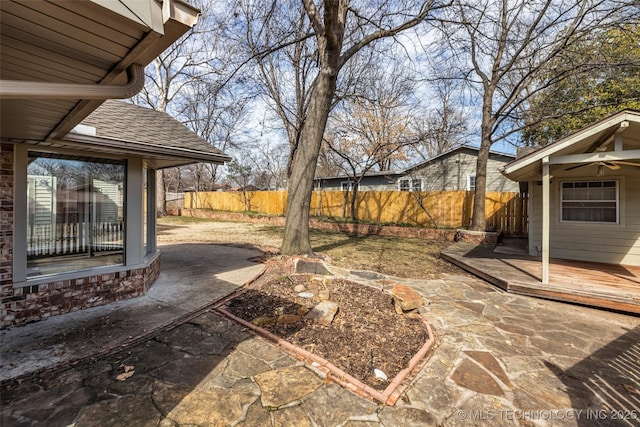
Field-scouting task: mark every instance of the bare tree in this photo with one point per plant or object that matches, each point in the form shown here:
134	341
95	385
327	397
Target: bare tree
217	113
372	131
504	48
444	125
173	180
269	160
279	39
333	32
188	74
241	175
166	76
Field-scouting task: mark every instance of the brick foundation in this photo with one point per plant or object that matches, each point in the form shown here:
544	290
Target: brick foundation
32	303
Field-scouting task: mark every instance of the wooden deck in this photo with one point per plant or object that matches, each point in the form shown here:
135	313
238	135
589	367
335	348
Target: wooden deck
609	286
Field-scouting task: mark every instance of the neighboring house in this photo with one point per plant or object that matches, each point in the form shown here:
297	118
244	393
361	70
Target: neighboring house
77	174
450	171
584	193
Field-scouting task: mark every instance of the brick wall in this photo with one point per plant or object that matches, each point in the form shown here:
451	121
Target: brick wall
6	222
37	302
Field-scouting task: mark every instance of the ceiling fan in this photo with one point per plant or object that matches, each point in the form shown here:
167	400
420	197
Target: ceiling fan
611	165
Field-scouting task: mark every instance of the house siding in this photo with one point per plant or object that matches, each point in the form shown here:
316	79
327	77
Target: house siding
446	173
608	243
368	183
450	173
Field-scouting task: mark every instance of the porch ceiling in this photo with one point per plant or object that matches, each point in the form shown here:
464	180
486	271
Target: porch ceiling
79	41
584	141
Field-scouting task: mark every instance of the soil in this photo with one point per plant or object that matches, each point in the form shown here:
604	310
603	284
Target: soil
366	333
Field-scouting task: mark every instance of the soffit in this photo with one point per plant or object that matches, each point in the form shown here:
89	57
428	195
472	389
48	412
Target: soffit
585	140
76	41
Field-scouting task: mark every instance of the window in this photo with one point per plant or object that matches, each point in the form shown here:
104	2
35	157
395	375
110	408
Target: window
410	184
471	182
75	213
590	201
347	185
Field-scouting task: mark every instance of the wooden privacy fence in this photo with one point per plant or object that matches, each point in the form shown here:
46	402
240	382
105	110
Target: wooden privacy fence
447	209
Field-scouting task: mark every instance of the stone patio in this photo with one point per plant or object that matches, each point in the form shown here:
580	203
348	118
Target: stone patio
501	359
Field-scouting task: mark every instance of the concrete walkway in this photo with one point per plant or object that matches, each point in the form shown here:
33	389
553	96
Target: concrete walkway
502	359
192	276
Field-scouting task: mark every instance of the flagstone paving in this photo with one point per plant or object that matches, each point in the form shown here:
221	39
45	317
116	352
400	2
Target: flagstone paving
501	359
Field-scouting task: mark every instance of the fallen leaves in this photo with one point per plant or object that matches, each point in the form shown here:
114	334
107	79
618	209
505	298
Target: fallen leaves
128	373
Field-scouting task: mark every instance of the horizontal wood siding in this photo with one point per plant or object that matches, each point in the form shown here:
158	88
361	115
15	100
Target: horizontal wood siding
608	243
448	173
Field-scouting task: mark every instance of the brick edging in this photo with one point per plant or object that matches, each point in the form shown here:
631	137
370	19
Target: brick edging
389	396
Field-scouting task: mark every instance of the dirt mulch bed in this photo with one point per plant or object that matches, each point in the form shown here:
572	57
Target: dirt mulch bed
366	333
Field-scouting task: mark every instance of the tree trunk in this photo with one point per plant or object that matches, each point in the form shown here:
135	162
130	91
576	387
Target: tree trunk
354	197
303	166
479	220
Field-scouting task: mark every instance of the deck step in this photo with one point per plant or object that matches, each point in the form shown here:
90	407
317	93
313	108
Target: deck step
611	289
602	300
459	261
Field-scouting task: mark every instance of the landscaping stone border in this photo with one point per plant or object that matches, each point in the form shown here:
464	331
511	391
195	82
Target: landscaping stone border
326	369
477	237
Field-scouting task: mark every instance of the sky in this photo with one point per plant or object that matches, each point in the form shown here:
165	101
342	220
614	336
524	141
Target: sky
414	46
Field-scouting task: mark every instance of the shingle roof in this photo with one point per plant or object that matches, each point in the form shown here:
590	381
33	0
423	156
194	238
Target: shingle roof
421	164
126	122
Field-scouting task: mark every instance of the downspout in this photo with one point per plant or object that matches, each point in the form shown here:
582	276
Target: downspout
16	89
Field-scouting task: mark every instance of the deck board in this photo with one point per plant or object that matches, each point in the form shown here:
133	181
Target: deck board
609	286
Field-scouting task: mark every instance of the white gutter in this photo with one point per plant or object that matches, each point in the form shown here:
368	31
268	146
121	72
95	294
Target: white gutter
142	148
16	89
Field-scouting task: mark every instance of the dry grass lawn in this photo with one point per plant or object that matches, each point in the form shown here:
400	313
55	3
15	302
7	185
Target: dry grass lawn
396	256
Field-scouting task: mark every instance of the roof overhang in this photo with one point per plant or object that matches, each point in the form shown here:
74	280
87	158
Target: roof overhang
85	42
591	144
157	155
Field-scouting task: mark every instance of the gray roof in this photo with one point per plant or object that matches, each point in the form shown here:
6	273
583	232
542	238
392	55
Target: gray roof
423	163
135	129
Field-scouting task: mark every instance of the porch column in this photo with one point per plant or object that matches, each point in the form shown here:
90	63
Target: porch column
545	220
134	241
20	164
151	211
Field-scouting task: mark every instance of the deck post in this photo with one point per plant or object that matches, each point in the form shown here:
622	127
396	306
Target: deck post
545	219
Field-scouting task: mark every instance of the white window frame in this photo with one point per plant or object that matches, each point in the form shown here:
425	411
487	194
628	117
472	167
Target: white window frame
414	184
617	201
470	187
346	185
